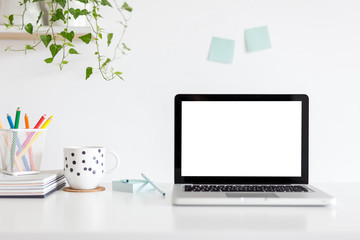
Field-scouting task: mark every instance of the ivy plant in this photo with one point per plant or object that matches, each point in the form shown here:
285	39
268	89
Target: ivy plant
61	43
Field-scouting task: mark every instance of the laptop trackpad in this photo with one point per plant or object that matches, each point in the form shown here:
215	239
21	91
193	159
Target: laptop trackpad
251	195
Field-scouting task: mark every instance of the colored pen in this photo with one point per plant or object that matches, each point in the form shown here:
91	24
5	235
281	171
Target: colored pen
46	122
35	137
27	125
17	118
16	139
40	121
156	187
12	152
33	133
10	121
9	146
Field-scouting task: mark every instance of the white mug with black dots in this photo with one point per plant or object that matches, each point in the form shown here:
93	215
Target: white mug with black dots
85	166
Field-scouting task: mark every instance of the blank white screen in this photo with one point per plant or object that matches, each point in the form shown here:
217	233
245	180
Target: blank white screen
241	138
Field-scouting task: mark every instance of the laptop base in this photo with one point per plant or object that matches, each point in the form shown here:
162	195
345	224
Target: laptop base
313	198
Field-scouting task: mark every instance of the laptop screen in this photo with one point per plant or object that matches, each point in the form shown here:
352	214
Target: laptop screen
241	137
247	138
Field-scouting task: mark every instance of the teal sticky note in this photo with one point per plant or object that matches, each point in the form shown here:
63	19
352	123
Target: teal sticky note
257	39
222	50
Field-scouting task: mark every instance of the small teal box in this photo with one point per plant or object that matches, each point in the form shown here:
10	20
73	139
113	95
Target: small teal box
131	186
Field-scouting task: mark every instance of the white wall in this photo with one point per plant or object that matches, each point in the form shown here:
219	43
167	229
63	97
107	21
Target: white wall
316	49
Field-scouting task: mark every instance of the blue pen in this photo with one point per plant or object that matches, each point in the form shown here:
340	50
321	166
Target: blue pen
12	157
153	184
11	123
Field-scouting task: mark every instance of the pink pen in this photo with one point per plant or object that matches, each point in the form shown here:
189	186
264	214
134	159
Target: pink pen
32	134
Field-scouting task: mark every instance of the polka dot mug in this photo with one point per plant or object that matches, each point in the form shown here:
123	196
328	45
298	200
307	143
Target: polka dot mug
85	166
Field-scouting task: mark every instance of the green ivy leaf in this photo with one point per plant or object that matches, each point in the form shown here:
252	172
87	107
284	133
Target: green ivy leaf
58	15
69	44
118	74
86	38
49	60
65	62
105	63
84	12
125	47
46	39
73	51
105	3
11	19
54	49
28	47
61	2
89	71
95	15
77	12
39	17
109	38
29	28
127	7
68	35
83	1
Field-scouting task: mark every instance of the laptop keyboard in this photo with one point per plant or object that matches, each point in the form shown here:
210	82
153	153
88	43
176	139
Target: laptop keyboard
245	188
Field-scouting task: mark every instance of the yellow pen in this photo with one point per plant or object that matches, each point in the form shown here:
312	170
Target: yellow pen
26	148
46	123
27	126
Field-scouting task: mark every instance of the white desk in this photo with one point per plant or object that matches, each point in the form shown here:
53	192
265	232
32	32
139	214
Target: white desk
117	215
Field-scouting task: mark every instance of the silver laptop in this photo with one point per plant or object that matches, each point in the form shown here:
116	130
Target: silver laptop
243	150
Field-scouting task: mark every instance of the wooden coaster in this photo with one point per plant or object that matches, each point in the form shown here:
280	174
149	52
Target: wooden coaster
98	189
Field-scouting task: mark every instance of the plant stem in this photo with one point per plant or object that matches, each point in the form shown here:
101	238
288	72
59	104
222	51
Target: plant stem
64	39
23	16
125	25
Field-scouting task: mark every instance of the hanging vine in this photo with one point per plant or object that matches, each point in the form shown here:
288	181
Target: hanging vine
61	43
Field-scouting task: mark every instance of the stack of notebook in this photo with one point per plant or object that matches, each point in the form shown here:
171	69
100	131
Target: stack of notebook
31	186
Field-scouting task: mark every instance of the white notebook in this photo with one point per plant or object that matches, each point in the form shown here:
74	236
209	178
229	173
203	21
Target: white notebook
38	185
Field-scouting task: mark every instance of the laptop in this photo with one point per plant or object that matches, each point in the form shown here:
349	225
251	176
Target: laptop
243	150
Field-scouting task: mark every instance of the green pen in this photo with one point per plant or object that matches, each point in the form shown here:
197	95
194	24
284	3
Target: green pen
17	118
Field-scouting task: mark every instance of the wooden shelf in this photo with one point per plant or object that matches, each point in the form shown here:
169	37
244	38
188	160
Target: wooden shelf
13	34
